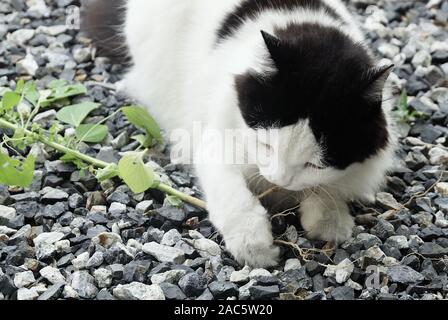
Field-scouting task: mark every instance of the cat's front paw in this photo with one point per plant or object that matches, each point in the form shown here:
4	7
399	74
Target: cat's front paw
333	227
251	242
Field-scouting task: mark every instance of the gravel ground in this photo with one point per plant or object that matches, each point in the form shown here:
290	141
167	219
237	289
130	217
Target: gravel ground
67	237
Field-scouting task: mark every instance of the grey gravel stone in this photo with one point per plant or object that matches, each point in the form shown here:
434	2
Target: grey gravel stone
83	283
53	292
192	284
163	253
404	274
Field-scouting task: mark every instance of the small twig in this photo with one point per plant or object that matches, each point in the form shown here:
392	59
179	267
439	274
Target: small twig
424	194
304	253
268	192
286	213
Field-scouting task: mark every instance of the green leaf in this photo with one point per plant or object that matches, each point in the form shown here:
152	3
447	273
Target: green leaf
143	139
141	119
10	100
403	102
15	173
59	92
31	93
134	173
174	201
19	86
92	133
59	83
75	114
111	171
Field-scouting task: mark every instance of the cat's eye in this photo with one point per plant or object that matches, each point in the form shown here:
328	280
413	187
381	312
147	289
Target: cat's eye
310	165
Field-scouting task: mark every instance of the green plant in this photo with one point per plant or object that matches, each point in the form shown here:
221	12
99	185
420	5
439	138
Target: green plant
18	109
404	112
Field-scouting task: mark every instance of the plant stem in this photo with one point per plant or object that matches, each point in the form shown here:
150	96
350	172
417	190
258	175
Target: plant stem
100	164
184	197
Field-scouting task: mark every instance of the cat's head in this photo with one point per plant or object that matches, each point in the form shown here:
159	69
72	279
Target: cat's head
322	95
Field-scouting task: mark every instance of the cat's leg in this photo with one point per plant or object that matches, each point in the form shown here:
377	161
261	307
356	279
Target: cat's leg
238	215
326	217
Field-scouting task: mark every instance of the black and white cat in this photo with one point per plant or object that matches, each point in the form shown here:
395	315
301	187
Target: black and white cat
296	68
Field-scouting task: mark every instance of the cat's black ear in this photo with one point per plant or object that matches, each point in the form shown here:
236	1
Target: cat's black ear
275	47
375	80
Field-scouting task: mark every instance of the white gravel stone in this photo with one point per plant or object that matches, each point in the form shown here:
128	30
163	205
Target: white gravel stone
341	272
24	279
172	276
441	220
24	294
117	208
354	285
27	66
139	291
45	250
244	291
103	277
438	156
207	248
62	245
195	235
134	244
375	253
399	242
442	189
7	231
257	273
21	36
83	283
241	276
80	262
52	30
70	293
164	253
390	262
171	237
389	50
422	58
53	275
7	213
99	209
292	264
48	238
144	206
38	9
107	239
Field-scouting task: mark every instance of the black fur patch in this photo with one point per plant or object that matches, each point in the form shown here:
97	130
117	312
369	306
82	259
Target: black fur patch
251	8
101	20
325	77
